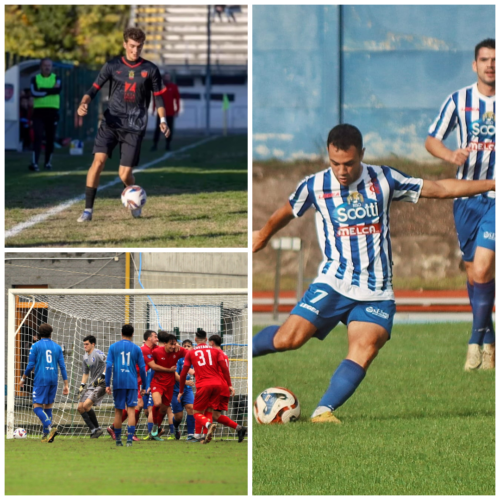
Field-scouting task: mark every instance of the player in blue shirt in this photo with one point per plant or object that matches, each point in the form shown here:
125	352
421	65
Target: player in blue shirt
186	402
123	356
354	285
471	112
44	357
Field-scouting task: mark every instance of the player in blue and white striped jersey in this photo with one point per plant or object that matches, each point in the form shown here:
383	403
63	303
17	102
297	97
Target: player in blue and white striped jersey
471	111
45	356
354	284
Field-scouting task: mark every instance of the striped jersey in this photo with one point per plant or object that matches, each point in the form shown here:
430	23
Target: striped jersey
45	356
473	116
352	224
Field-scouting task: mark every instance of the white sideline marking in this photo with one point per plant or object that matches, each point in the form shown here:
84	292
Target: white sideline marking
63	206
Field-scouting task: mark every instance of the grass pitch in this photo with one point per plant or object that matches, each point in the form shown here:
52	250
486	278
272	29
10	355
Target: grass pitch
97	467
196	198
417	425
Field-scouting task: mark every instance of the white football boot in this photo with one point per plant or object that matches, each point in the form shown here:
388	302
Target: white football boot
85	217
474	357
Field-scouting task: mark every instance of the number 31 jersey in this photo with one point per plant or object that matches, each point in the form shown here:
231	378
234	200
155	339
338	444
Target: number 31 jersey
205	361
352	224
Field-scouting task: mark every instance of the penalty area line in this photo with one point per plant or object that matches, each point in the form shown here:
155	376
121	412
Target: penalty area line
19	228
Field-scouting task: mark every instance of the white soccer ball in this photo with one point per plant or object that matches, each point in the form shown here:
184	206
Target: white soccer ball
276	405
20	433
133	197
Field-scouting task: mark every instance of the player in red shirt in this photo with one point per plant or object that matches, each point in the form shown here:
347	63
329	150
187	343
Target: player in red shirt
215	342
162	385
206	362
171	100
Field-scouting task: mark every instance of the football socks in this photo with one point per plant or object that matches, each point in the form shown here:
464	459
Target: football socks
131	432
44	418
343	383
88	421
262	343
172	428
93	418
90	194
48	412
227	422
482	306
202	420
118	435
190	424
150	427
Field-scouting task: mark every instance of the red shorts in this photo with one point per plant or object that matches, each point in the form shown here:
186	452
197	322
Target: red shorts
166	391
206	397
222	404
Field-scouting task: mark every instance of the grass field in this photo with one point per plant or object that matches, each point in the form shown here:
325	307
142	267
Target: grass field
196	198
417	425
98	467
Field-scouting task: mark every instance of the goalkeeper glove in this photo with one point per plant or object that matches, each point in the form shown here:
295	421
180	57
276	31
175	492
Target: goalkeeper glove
80	390
99	380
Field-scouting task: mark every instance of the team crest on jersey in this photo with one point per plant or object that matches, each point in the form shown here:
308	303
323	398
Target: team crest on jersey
144	74
355	199
131	74
361	217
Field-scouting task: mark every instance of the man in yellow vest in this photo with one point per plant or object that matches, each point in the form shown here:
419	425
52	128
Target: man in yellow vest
45	89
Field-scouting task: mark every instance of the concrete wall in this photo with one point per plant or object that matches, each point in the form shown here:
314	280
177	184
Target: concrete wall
385	69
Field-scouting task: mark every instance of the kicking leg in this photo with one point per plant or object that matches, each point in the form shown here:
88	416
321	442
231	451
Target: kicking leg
291	335
365	341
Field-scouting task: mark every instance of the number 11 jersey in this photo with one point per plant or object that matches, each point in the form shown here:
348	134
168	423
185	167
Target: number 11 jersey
124	356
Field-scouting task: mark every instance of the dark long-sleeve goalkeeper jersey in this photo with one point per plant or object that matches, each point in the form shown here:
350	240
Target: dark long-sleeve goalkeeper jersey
130	94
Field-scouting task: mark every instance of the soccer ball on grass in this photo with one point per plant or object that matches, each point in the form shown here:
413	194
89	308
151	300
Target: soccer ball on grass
20	434
133	197
276	405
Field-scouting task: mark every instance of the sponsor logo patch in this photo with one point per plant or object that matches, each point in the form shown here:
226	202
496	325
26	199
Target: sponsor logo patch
144	74
482	146
377	312
309	308
325	196
488	235
356	210
484	127
359	230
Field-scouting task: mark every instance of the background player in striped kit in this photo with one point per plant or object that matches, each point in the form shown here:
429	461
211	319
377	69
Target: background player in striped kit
94	373
354	284
471	111
45	356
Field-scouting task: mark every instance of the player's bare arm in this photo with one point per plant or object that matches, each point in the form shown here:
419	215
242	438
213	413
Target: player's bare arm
455	188
66	388
439	150
84	105
277	221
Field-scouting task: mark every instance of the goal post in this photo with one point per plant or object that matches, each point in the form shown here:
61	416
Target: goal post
74	314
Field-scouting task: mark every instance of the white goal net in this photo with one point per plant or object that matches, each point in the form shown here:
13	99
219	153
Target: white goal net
74	314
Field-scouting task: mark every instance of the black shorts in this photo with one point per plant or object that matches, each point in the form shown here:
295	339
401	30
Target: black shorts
130	144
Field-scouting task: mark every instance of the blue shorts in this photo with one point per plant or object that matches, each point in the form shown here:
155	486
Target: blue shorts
125	398
475	224
333	308
44	394
145	400
187	399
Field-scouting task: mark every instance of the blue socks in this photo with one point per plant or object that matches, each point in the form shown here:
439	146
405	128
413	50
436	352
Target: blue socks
118	434
483	298
48	412
131	432
263	341
150	427
343	383
172	428
44	418
176	423
190	424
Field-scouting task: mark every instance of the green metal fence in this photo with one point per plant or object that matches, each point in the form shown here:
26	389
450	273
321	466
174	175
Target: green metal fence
75	81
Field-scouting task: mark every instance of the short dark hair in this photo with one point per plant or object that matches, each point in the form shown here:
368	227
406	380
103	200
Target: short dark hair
44	330
90	338
187	341
201	334
344	136
166	337
45	59
216	340
135	34
127	330
148	334
489	43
